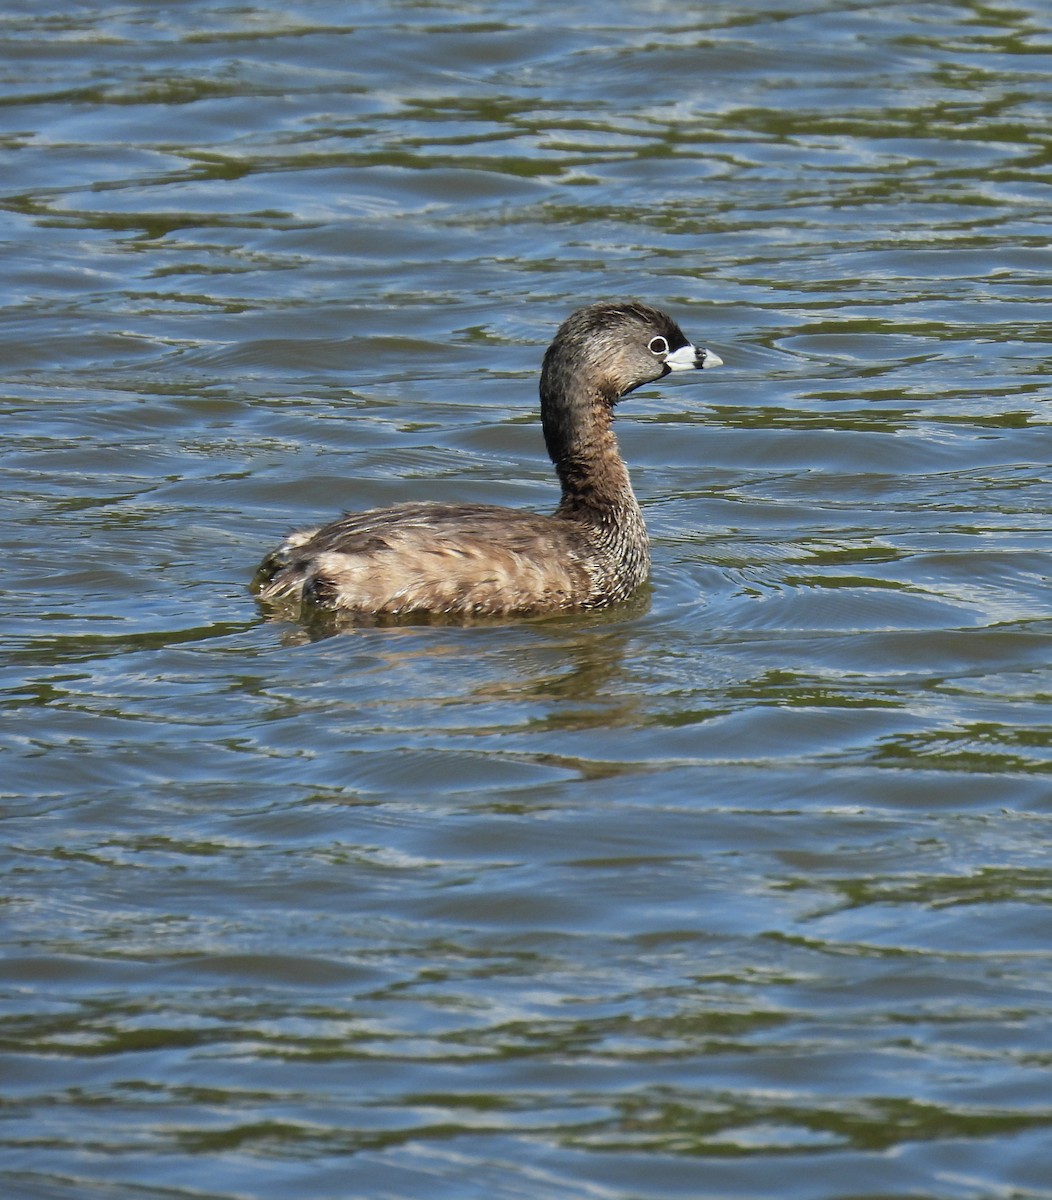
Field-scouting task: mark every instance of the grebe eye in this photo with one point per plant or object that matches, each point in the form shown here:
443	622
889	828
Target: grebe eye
657	345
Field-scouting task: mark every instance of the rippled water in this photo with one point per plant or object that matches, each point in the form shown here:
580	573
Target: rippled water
741	891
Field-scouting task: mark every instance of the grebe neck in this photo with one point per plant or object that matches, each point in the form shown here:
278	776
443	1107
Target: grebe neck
596	489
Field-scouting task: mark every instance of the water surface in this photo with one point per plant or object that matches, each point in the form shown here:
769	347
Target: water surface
740	891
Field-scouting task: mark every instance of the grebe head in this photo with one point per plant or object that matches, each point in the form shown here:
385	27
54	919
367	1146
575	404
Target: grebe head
617	347
601	353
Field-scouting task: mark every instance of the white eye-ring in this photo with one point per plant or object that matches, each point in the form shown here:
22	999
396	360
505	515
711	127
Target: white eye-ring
657	345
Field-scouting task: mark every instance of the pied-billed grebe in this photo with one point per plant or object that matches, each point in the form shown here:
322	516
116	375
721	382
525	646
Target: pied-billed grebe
460	560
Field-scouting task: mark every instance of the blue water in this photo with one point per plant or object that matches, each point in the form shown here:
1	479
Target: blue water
742	890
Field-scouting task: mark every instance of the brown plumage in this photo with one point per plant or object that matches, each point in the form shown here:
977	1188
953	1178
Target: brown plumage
453	560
